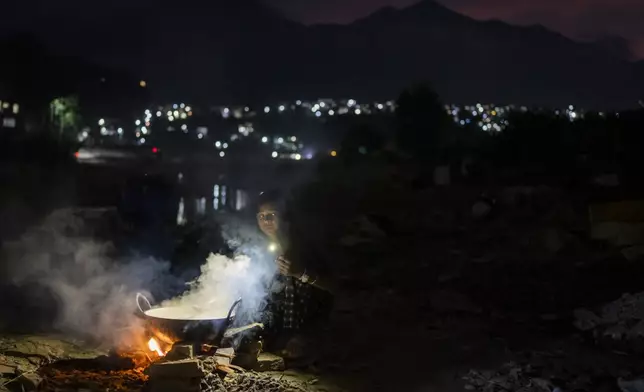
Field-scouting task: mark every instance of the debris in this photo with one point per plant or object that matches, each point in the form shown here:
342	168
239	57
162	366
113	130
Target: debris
511	377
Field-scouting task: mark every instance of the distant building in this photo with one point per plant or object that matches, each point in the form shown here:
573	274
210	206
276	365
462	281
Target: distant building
9	115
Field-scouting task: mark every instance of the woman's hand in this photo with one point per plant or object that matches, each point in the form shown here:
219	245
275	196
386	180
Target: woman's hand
286	268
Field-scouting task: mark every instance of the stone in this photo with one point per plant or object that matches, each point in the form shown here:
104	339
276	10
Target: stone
245	360
618	233
633	253
179	352
267	362
481	209
188	368
30	381
442	175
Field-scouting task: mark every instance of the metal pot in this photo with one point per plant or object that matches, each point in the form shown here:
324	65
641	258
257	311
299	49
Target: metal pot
184	324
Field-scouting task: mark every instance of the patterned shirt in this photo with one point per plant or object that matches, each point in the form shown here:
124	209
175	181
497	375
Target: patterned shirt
295	299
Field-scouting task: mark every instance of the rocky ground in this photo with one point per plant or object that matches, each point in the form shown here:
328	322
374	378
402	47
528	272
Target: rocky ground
53	363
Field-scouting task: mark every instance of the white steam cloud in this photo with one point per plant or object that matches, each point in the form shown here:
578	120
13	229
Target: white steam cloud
247	275
94	291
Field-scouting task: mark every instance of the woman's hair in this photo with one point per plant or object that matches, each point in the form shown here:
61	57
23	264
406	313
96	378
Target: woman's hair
272	197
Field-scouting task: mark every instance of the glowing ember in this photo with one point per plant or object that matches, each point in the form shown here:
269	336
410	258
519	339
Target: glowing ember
153	345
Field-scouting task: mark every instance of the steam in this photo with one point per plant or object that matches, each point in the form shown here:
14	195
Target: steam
248	275
93	289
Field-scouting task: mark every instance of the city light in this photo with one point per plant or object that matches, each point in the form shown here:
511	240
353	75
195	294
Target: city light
184	127
175	106
159	113
334	153
170	118
183	116
281	108
143	83
200	136
144	130
137	122
351	102
120	131
298	157
183	105
142	140
331	112
318	113
358	111
101	122
218	144
298	102
267	109
147	112
381	106
280	140
225	145
175	113
293	139
222	154
274	154
265	139
188	109
322	104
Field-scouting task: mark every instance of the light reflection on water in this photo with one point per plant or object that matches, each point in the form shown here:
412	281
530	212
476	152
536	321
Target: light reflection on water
223	199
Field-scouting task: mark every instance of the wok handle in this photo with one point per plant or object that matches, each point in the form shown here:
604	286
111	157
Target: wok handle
146	303
230	312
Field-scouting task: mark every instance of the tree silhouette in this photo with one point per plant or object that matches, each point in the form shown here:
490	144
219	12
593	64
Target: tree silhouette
422	122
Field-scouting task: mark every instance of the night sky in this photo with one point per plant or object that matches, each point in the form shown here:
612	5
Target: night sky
579	19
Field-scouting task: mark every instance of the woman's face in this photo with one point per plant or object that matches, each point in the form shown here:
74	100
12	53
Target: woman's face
268	220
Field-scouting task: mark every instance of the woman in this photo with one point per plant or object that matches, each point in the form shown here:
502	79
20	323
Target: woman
304	296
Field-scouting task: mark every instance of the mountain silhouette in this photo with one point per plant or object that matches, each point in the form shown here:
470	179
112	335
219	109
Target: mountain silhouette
245	52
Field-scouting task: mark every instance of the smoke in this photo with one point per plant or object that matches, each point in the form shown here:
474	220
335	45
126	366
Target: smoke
62	265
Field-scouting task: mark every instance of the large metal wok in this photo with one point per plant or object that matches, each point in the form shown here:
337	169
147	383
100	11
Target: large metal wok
187	323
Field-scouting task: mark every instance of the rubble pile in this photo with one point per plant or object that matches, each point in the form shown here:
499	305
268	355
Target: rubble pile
206	374
509	378
618	324
529	378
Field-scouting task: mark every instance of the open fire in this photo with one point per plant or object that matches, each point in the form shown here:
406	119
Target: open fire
154	346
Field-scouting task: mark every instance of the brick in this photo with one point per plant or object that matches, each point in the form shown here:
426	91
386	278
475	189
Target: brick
188	368
6	370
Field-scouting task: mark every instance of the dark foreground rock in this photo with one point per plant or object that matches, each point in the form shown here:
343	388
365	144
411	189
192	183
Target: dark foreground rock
21	358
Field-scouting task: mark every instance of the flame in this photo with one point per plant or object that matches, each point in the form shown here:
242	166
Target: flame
153	345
